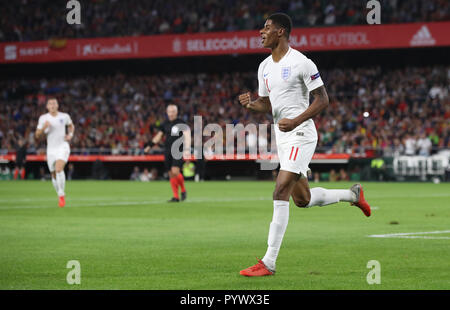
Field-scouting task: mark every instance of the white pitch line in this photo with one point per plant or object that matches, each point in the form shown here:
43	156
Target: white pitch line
53	199
414	235
120	203
82	205
421	237
412	195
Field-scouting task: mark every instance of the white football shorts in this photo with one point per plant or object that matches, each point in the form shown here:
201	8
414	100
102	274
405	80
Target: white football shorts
61	153
295	155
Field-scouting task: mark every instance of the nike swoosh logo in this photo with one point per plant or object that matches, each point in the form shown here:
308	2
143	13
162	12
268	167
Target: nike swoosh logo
266	74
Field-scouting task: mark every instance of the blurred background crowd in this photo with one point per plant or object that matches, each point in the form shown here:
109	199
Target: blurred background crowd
372	109
27	20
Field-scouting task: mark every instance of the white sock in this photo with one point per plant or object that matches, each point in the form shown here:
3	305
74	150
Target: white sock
61	180
55	185
322	197
276	232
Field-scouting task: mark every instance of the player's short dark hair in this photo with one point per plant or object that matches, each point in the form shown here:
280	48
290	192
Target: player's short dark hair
282	20
52	98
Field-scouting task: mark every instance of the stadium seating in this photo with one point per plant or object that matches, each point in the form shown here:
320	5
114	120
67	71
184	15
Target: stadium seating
117	114
30	20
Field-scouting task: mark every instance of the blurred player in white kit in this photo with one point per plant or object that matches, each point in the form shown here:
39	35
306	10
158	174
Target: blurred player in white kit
53	124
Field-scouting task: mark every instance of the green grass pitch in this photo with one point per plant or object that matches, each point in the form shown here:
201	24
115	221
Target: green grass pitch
126	236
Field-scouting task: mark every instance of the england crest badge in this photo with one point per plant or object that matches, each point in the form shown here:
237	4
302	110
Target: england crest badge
285	73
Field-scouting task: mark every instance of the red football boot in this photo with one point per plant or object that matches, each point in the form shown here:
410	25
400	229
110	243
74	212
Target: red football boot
360	201
61	202
258	270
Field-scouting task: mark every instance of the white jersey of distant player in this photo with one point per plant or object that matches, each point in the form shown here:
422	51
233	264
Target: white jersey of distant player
287	83
56	132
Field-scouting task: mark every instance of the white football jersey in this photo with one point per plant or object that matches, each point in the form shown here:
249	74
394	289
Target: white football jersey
56	131
287	83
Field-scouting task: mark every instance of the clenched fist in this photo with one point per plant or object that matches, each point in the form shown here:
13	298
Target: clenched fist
245	99
68	137
286	124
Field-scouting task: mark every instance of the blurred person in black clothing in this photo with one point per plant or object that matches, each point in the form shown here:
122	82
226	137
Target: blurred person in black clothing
21	158
173	129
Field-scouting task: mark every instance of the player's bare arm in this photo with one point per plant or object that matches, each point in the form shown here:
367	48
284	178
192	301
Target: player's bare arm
320	103
262	104
156	139
40	132
70	132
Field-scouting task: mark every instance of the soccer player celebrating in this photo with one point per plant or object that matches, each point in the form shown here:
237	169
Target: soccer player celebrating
286	78
172	130
53	124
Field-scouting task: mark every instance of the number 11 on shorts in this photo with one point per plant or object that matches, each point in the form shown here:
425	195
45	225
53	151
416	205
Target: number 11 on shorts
292	151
